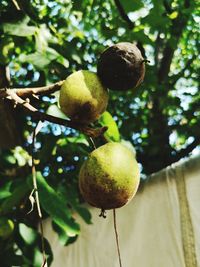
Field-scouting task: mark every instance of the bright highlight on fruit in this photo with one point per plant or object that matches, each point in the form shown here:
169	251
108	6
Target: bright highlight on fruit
83	98
121	67
110	177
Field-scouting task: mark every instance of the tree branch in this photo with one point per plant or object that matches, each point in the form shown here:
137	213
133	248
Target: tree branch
187	3
92	132
185	151
165	63
123	14
142	50
130	24
157	49
177	28
9	121
167	7
26	92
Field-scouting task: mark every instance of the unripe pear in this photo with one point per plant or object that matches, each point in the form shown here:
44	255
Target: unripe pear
121	67
109	178
83	98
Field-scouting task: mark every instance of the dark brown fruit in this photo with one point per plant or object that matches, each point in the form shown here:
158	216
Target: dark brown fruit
121	67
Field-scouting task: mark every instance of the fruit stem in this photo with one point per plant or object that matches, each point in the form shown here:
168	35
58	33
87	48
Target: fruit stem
117	238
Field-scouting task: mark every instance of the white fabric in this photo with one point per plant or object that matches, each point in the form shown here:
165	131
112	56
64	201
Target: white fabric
150	227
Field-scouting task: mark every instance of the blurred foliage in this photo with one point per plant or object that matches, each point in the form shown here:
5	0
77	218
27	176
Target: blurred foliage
44	42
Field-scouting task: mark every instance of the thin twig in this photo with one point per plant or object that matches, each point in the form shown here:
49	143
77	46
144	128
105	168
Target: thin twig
130	24
92	142
92	132
26	92
187	150
117	238
16	4
176	31
35	188
124	15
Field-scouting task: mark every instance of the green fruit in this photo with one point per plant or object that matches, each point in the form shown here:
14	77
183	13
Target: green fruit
6	227
109	178
121	67
83	98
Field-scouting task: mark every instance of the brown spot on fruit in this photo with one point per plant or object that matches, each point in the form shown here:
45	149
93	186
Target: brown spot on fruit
83	98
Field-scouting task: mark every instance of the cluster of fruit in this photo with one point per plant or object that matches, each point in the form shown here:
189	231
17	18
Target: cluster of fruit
109	178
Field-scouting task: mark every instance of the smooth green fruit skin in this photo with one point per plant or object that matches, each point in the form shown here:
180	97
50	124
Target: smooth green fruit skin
6	227
110	177
83	98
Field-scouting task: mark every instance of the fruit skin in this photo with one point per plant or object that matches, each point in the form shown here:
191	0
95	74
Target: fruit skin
83	98
6	227
110	177
121	67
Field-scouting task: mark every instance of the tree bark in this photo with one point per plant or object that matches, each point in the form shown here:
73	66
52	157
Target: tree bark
159	130
10	133
177	28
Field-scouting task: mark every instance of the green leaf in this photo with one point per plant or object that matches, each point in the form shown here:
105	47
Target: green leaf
140	36
42	37
20	29
37	59
84	213
80	139
5	190
63	237
112	133
9	158
21	155
18	193
55	111
73	199
155	18
56	207
29	242
28	234
131	5
52	54
6	49
42	59
173	15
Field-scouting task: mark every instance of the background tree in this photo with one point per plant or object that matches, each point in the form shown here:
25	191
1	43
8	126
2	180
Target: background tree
42	42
